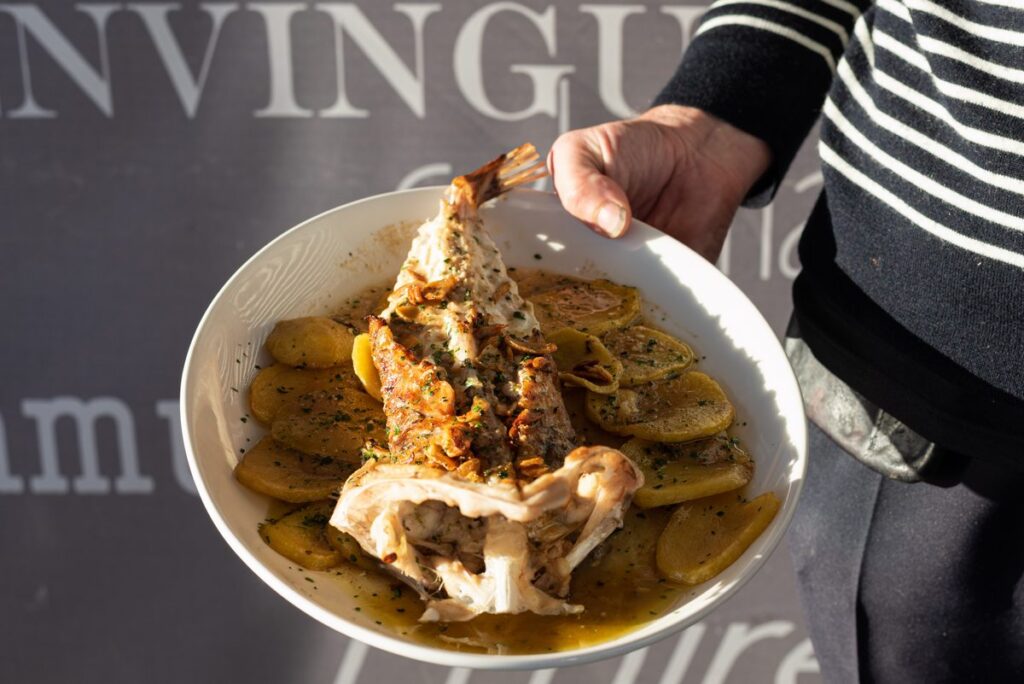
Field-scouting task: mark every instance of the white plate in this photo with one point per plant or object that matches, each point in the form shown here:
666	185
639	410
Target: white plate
313	267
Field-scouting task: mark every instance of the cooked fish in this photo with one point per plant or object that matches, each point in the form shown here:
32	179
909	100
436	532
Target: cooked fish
479	499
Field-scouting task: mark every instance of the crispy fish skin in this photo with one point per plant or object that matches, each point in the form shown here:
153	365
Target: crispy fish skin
541	429
420	405
479	501
468	348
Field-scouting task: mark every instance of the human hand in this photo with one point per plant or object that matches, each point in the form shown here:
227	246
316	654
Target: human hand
677	168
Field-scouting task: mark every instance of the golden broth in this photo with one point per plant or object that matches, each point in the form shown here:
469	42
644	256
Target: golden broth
618	585
621	591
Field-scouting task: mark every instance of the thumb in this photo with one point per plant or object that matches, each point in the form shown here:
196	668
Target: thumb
577	172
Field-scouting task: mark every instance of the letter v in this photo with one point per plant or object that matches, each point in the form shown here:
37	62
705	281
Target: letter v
154	16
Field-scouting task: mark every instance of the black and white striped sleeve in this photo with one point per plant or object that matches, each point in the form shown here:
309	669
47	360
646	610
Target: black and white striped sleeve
765	66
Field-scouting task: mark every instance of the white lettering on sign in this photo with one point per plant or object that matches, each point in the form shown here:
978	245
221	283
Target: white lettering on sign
610	21
630	666
679	663
738	638
350	20
542	676
458	675
758	226
468	63
799	661
277	17
352	663
170	411
767	229
9	484
84	415
548	83
154	17
787	250
442	171
95	83
788	266
724	262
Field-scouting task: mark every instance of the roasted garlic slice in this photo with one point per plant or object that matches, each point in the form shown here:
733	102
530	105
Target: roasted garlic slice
584	361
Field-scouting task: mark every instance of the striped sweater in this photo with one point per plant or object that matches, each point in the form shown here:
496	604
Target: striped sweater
913	284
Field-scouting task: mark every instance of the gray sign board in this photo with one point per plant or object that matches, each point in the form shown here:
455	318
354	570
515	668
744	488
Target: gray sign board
146	150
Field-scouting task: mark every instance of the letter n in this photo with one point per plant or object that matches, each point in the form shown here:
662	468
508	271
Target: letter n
94	83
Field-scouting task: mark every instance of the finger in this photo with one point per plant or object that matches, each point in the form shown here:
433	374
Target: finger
577	172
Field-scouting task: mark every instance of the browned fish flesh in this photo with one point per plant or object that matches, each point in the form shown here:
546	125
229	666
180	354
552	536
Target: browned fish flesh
479	500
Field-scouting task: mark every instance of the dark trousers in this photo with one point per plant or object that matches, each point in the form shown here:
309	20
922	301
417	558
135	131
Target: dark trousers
910	583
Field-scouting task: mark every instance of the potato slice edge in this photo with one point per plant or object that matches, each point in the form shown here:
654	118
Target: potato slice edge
706	536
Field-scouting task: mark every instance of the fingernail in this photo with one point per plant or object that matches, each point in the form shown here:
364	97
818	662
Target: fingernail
611	219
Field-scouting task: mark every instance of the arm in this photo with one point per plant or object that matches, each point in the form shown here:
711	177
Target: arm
724	129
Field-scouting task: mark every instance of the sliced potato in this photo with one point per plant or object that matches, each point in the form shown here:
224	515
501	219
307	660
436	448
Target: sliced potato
336	426
530	281
684	471
299	536
310	342
362	364
629	555
281	389
583	361
707	536
275	470
349	548
587	431
680	409
647	354
594	306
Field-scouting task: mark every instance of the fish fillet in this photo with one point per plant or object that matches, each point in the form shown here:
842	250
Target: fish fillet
479	500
